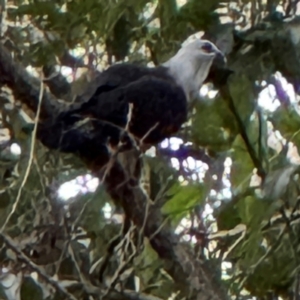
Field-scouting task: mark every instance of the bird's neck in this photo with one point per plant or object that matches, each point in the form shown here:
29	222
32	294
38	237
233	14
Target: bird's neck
188	74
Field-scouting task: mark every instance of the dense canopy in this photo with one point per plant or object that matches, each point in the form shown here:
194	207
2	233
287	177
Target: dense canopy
210	212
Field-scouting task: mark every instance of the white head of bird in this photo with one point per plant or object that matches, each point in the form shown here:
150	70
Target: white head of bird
191	64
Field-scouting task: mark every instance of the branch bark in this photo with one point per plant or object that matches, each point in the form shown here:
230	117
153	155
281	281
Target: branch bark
190	274
57	83
25	87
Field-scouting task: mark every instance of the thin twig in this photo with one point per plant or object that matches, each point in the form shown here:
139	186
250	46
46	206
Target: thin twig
10	244
26	175
243	132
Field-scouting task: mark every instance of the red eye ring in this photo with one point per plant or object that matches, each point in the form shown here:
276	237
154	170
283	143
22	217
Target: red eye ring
207	47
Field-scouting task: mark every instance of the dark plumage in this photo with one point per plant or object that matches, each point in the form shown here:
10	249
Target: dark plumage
132	103
148	90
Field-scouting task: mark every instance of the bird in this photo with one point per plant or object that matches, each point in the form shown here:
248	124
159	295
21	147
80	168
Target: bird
132	105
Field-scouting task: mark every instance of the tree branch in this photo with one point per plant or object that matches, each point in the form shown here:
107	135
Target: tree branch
243	132
25	87
57	83
190	274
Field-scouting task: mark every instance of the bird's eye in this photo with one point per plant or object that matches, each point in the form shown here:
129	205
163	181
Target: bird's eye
207	47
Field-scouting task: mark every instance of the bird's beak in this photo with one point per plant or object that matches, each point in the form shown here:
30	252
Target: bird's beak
220	59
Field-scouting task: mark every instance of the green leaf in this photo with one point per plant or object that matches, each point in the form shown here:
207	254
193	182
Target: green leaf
200	14
213	125
253	211
147	263
287	121
227	216
30	289
167	11
242	166
87	210
162	176
183	199
41	8
242	92
279	264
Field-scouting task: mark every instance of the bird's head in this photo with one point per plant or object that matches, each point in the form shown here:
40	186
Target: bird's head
191	64
202	50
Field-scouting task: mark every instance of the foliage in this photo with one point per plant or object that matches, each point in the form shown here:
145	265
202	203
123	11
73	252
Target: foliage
246	154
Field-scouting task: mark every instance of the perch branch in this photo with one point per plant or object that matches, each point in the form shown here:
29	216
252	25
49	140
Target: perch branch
190	274
25	87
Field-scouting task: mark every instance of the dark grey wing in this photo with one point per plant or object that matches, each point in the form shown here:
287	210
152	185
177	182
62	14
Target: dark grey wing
68	131
116	76
159	108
